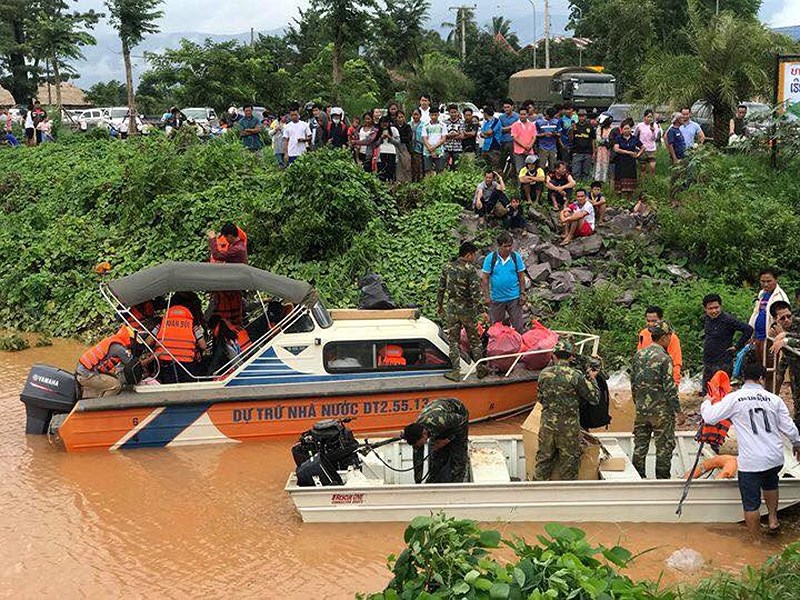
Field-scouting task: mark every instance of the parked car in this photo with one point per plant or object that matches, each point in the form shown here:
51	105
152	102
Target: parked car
619	112
702	113
204	116
117	117
88	118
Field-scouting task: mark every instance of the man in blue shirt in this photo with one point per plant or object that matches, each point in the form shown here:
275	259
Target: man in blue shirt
676	145
491	132
547	133
503	282
692	132
249	128
565	123
507	119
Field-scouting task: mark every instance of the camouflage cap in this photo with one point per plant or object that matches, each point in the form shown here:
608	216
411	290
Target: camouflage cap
659	330
564	346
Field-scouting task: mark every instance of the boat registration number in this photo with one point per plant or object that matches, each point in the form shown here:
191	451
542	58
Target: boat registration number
347	498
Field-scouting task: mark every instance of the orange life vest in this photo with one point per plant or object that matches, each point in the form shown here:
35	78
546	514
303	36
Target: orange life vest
223	244
176	334
728	466
391	355
242	337
97	357
229	307
714	435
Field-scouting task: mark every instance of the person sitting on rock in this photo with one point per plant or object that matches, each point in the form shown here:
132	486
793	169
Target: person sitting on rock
578	218
559	185
598	200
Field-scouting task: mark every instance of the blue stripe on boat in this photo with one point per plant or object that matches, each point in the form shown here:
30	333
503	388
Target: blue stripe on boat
172	421
264	379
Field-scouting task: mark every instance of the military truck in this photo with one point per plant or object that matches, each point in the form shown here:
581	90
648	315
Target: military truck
582	86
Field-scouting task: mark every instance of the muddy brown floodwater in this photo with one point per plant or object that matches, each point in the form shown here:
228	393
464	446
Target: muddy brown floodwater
213	521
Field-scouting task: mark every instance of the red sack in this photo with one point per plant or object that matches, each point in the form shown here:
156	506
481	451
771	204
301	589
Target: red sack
464	342
502	340
538	337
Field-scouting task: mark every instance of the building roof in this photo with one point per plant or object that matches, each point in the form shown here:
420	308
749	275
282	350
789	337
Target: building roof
71	95
502	41
6	99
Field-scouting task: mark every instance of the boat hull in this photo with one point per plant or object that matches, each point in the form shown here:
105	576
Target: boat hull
173	422
619	496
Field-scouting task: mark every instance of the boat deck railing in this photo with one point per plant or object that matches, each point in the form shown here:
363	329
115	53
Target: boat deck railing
581	341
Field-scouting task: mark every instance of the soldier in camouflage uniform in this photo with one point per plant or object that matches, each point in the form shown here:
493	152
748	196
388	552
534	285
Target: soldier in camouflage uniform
781	314
561	388
461	284
445	424
655	396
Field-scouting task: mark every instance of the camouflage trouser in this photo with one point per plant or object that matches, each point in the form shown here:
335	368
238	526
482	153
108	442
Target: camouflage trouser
449	465
661	424
559	447
454	323
793	367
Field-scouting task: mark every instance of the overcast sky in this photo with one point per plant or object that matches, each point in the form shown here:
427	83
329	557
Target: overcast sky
213	16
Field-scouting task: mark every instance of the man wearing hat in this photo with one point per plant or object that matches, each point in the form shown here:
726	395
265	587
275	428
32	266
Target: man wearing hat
655	396
583	147
561	388
445	424
532	177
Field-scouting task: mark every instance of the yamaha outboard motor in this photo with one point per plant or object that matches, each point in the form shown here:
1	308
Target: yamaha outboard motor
323	450
47	392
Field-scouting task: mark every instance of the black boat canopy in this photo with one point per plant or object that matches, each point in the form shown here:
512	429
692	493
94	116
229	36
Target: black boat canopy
175	276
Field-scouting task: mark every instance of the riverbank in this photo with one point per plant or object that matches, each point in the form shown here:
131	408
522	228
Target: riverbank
71	205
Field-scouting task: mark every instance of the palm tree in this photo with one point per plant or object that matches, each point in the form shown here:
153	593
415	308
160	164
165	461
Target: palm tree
465	15
133	19
729	61
502	26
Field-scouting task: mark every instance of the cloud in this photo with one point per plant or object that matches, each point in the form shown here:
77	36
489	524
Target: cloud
212	16
782	13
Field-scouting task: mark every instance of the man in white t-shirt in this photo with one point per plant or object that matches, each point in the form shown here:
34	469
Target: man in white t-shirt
425	108
297	135
578	218
760	418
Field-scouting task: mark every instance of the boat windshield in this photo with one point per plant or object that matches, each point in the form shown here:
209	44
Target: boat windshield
321	315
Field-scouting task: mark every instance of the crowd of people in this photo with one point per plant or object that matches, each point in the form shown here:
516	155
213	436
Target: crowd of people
37	125
767	347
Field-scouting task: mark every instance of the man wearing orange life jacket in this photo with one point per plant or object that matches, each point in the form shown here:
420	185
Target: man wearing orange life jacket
99	367
180	341
229	247
652	315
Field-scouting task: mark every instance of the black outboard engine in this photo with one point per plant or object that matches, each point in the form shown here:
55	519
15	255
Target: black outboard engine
323	450
48	391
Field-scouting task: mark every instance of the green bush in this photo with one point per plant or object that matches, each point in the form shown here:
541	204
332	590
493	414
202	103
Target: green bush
448	558
738	217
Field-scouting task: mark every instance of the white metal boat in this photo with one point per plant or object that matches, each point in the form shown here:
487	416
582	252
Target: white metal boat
499	491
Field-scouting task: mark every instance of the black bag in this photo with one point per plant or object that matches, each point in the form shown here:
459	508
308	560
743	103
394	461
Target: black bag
594	416
374	294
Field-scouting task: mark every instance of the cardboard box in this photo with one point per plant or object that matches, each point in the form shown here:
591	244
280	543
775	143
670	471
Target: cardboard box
615	463
590	457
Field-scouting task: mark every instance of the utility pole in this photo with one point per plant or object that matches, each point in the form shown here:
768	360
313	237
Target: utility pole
533	6
546	34
461	15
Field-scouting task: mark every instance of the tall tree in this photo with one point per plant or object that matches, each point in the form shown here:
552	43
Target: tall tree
110	93
15	49
490	65
133	20
464	28
440	77
347	22
400	33
58	36
728	60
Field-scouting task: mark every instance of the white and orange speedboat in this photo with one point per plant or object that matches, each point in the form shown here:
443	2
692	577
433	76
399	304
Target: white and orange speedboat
311	364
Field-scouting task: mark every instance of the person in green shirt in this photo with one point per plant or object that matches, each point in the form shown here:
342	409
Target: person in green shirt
249	128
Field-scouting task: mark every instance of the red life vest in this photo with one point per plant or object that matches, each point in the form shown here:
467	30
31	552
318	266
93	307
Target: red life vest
97	357
176	334
715	435
242	337
223	244
391	355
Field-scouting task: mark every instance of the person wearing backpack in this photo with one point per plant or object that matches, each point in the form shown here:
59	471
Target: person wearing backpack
503	282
